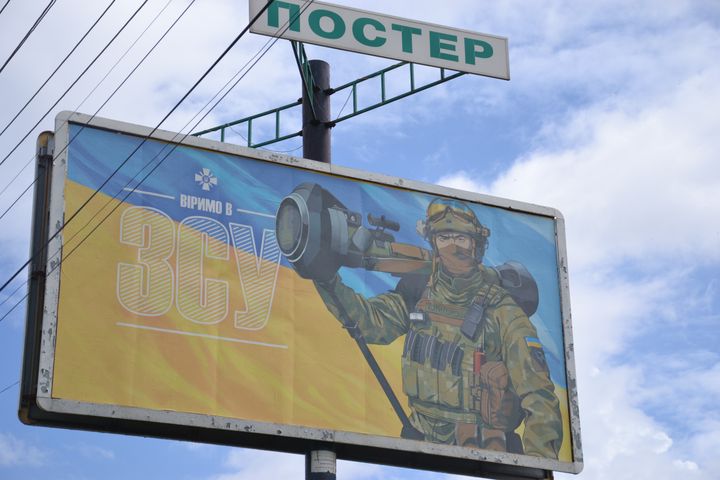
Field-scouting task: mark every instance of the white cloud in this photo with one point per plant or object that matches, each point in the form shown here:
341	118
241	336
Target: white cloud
261	465
620	440
16	452
636	185
634	173
93	451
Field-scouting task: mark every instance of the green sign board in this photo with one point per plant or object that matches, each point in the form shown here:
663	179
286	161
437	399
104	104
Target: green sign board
383	36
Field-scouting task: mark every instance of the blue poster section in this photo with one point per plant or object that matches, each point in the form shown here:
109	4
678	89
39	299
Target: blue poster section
184	181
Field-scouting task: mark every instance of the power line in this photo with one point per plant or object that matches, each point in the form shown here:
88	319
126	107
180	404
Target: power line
3	7
18	381
74	82
263	148
108	99
344	104
58	67
145	139
237	78
68	254
6	314
17	175
27	35
12	294
167	31
132	45
98	85
17	199
255	59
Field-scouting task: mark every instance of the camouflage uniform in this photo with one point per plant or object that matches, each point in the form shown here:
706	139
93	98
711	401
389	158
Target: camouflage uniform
453	399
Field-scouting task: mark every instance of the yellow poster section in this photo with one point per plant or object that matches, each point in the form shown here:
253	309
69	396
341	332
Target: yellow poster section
301	369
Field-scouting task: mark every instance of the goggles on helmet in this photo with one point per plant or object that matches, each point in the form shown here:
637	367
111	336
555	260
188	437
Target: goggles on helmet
462	218
439	207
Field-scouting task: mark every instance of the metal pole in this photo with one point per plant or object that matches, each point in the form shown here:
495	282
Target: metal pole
320	464
316	115
36	290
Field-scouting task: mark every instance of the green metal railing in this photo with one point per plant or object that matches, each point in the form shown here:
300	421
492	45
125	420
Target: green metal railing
384	99
353	93
249	121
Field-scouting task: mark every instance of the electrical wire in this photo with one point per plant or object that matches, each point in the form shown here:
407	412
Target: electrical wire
3	7
175	143
16	382
127	77
145	139
167	31
283	151
27	189
13	293
255	59
22	300
262	148
239	75
12	180
132	45
74	82
58	67
77	133
344	104
27	35
100	83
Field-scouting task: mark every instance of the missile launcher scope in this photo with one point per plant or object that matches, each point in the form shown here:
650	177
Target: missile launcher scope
318	234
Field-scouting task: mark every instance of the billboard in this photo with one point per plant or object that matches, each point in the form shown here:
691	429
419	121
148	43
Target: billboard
244	297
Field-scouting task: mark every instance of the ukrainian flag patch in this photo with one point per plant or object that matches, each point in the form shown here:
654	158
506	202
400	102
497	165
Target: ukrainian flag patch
537	354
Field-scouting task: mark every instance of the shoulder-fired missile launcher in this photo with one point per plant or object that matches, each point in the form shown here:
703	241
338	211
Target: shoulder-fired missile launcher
318	234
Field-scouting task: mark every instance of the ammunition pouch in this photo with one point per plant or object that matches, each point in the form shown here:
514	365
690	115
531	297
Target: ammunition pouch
498	404
432	369
420	347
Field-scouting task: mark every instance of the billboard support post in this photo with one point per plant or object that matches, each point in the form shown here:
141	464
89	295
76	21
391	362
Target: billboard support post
41	204
319	464
316	111
316	119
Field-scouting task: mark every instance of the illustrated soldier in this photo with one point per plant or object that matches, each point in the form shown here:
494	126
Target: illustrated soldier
472	365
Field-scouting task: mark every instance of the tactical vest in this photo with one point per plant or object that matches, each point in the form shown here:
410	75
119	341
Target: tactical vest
447	372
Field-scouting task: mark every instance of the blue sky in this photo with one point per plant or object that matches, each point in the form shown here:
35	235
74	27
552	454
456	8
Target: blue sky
610	116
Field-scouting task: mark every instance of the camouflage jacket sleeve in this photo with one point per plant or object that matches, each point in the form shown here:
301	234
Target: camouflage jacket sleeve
530	377
381	319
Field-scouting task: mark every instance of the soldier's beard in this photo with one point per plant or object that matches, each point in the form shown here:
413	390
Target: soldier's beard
457	260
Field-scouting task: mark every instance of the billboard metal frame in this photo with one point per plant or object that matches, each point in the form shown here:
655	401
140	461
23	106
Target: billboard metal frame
38	407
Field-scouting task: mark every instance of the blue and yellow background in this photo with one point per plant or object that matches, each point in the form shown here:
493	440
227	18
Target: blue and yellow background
301	368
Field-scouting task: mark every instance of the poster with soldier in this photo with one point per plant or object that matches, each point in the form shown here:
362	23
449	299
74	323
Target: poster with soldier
473	366
253	293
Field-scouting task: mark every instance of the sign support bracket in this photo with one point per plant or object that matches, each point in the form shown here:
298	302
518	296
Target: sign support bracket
305	73
352	89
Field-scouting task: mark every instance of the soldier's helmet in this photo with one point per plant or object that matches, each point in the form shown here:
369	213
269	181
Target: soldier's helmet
450	215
